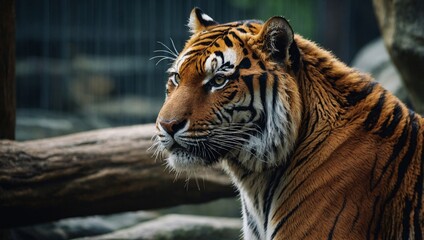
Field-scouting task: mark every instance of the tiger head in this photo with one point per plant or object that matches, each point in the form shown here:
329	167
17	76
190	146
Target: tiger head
232	95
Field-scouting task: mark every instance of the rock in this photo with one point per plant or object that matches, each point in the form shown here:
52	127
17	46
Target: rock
180	227
97	225
82	227
401	23
374	59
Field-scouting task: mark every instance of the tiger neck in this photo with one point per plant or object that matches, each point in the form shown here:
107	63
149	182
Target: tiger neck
323	97
321	84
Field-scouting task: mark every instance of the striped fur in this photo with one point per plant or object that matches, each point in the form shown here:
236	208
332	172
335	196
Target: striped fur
316	149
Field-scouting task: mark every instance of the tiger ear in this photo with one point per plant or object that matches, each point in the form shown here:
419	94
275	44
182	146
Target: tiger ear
277	37
199	21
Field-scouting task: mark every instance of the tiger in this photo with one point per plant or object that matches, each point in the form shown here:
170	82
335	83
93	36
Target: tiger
315	149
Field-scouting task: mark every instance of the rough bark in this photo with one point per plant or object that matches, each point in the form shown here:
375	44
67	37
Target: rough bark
401	23
7	69
97	172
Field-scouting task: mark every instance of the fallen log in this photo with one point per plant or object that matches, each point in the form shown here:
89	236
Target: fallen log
97	172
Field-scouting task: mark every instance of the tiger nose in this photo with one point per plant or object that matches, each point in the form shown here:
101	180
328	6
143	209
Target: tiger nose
172	126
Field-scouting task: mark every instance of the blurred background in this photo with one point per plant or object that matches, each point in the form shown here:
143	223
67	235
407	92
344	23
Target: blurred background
84	64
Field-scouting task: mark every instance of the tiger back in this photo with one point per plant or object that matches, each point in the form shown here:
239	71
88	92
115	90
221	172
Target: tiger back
316	149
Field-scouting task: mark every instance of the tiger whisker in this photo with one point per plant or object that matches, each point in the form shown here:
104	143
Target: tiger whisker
166	51
173	45
165	58
162	56
164	45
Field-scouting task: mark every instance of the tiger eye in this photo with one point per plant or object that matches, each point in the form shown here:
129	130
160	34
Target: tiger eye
219	80
175	79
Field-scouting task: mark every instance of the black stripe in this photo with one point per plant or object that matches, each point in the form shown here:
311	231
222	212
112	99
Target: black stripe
248	80
305	122
256	194
269	193
319	62
243	108
237	38
373	169
235	75
405	218
375	113
245	63
261	65
355	97
245	174
330	235
241	30
387	129
202	43
220	55
229	111
397	148
232	95
228	42
374	214
418	207
294	57
249	24
212	35
224	116
404	164
324	70
275	91
191	52
262	88
355	219
226	66
283	191
217	114
318	145
285	218
250	220
335	77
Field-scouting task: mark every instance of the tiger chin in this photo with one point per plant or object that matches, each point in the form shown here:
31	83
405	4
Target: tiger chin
316	149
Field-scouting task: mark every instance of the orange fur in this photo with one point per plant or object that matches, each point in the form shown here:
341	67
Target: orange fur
350	161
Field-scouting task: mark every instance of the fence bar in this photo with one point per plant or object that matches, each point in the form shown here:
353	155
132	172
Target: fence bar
7	70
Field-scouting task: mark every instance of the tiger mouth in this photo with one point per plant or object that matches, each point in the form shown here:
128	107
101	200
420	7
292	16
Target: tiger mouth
177	147
191	154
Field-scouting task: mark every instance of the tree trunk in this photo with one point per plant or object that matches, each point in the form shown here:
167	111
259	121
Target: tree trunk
402	26
7	69
97	172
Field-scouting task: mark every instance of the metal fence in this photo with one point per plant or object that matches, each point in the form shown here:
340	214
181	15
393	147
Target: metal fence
91	57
